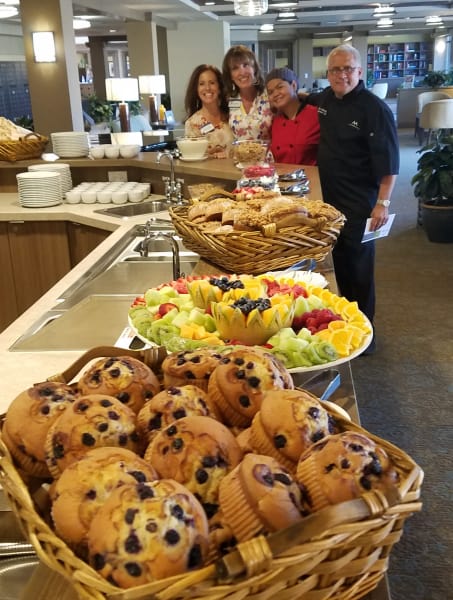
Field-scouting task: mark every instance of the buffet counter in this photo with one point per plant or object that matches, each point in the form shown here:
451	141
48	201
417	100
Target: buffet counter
19	370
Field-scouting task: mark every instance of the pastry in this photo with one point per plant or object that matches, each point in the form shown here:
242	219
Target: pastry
147	531
27	421
172	403
124	377
89	422
289	422
198	452
190	367
239	381
260	496
343	467
84	486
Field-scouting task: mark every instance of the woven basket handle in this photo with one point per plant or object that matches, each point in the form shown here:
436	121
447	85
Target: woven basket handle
32	133
290	220
152	357
255	555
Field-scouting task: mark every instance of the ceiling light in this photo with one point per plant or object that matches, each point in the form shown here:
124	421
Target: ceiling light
433	20
286	15
250	8
267	27
385	22
280	5
8	11
80	40
80	23
11	2
383	9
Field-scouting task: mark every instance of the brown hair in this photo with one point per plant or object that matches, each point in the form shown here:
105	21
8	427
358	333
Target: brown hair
192	101
240	54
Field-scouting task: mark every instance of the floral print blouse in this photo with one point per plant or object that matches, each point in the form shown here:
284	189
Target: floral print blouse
219	138
254	125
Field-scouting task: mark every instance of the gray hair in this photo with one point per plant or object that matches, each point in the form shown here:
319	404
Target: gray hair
348	49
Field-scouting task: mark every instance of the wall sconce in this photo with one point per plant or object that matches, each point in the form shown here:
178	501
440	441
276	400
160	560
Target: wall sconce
122	90
250	8
44	46
152	85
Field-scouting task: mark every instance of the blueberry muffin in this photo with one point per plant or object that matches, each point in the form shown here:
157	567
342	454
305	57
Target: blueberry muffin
259	496
170	405
124	377
142	534
27	421
85	485
343	467
198	452
289	422
89	422
238	383
190	367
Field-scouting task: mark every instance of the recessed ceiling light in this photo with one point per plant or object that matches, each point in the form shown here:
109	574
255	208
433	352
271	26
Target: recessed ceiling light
80	23
8	11
267	27
385	22
433	20
383	9
286	15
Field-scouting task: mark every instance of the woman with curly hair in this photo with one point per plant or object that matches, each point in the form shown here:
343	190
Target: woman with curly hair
207	110
250	111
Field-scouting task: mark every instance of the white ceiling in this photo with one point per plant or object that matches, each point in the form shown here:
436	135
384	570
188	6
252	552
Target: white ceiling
319	17
313	16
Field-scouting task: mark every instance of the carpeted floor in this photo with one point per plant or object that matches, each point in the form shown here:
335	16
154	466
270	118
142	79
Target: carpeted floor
405	390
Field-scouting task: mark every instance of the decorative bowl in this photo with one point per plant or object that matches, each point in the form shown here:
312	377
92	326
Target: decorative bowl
192	147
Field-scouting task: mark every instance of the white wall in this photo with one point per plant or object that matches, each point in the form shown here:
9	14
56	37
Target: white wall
190	45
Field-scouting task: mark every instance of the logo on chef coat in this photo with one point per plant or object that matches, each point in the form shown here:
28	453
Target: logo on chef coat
354	124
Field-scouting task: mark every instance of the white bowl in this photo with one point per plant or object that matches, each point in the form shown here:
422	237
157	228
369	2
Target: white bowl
129	150
192	147
73	197
135	195
97	152
104	197
119	197
89	197
112	151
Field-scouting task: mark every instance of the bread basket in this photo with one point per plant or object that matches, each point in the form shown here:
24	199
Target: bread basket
31	145
255	252
341	552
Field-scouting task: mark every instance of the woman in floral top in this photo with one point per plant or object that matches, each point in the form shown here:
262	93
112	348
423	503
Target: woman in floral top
250	111
207	110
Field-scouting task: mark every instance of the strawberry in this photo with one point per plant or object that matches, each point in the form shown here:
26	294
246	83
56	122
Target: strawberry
165	308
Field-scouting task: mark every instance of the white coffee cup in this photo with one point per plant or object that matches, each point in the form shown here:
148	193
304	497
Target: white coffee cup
111	151
135	195
97	152
89	197
104	196
119	197
73	197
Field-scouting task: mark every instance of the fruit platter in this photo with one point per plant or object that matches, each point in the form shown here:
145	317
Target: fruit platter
304	324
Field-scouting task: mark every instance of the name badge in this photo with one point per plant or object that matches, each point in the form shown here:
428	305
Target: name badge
234	103
207	128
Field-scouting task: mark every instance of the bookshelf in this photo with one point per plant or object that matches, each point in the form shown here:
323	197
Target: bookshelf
387	61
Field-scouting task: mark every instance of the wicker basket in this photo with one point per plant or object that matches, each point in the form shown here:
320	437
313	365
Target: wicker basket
256	252
341	552
31	145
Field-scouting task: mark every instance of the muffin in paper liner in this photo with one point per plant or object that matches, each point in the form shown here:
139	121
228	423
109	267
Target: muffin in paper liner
259	442
260	496
342	467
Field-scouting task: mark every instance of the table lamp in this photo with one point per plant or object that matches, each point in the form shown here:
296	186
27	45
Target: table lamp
122	90
152	85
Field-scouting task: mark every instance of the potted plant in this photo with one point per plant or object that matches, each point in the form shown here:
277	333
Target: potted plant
435	79
433	186
101	111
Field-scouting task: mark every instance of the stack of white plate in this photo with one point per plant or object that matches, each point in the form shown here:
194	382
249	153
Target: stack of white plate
39	188
70	144
62	168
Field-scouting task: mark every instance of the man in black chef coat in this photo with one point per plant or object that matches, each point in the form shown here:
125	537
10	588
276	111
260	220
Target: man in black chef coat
358	162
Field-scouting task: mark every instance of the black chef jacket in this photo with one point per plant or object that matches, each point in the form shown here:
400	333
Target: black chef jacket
358	145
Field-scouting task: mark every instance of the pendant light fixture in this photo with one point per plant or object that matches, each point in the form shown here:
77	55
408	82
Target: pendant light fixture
250	8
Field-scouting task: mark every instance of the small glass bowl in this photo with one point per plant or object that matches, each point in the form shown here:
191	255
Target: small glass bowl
249	152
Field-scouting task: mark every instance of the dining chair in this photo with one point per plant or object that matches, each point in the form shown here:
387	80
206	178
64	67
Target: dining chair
422	99
437	116
380	90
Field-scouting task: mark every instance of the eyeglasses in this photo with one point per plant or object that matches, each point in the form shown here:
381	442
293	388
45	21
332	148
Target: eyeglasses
338	70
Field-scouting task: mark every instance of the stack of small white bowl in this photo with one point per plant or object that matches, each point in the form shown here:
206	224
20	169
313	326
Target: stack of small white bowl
62	168
38	189
105	192
70	144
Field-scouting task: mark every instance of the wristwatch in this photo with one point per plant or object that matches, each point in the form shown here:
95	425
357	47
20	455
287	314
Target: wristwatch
385	203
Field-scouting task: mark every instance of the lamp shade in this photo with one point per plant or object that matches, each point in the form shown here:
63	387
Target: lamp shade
250	8
152	84
121	89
